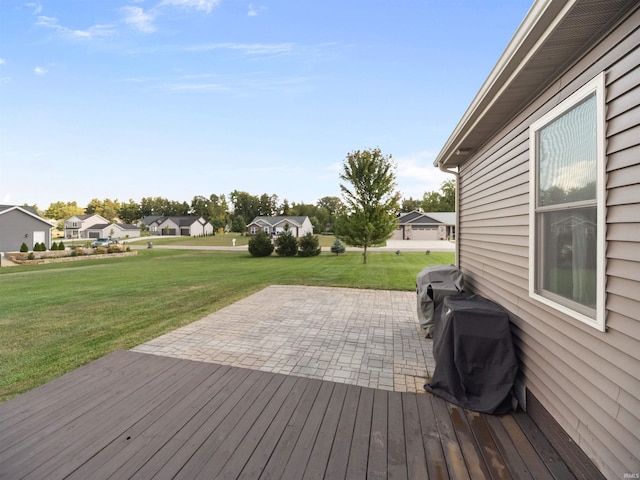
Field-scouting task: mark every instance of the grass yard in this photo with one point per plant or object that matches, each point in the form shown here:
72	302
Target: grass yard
55	318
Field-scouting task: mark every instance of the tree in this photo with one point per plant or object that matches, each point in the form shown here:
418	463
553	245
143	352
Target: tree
286	243
441	202
337	247
409	205
62	210
130	212
309	245
260	245
244	204
371	200
238	224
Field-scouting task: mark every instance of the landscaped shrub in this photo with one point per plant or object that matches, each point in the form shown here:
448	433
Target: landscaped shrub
24	248
260	245
309	246
31	256
54	246
337	247
61	245
286	244
38	247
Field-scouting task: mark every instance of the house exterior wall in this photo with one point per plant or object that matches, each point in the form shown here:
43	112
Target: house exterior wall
15	224
589	381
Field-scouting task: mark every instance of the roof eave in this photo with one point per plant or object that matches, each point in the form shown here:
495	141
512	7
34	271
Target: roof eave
537	24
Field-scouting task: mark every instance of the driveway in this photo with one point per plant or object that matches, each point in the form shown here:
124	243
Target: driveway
369	338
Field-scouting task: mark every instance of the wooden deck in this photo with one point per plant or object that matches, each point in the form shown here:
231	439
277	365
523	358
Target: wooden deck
133	415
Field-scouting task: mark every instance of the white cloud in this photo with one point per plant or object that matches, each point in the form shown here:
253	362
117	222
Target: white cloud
37	7
253	11
40	71
201	5
138	19
98	30
247	48
3	61
417	175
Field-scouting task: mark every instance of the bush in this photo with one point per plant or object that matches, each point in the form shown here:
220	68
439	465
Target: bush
24	248
286	244
54	246
337	247
61	246
309	246
260	245
31	256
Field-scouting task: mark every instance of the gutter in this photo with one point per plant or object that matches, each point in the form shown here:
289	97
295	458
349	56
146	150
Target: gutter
456	174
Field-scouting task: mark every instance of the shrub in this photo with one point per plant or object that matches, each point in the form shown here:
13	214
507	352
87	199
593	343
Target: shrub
24	248
260	245
54	246
61	246
309	246
31	256
286	244
337	247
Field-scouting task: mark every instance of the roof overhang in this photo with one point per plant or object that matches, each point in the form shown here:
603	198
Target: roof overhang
552	37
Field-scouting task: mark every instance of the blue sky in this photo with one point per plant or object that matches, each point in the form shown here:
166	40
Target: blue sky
177	98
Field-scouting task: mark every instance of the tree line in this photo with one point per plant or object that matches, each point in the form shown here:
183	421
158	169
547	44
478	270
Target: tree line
238	208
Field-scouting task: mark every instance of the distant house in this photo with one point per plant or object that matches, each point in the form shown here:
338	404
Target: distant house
189	225
84	226
426	226
547	160
20	224
299	226
96	226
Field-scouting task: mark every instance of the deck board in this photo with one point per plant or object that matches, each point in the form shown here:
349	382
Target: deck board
134	415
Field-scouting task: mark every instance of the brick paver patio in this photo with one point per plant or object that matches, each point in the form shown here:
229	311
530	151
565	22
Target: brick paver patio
369	338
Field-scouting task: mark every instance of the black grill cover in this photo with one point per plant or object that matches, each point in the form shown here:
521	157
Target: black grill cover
475	358
432	285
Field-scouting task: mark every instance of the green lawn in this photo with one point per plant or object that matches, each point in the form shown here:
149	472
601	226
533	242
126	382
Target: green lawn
55	318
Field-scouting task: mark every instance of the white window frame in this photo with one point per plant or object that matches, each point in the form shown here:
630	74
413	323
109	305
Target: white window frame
595	86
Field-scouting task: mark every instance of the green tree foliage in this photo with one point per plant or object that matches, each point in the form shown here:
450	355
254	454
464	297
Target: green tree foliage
63	210
24	248
238	224
309	246
371	200
260	245
106	208
268	205
214	209
130	212
54	246
286	243
337	247
162	207
244	204
410	205
440	202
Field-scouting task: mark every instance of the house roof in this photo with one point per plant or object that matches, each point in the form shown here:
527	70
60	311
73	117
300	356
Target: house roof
427	218
25	209
127	226
274	221
183	221
98	226
552	37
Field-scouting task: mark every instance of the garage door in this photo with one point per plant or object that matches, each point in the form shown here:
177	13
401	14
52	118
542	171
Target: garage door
424	234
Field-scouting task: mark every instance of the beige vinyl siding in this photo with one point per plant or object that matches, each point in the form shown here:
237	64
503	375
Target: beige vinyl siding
588	380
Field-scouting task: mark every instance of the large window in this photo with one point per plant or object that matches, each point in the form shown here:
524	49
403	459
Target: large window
567	206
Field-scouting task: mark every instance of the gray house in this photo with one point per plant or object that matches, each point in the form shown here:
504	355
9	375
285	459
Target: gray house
547	160
416	225
20	224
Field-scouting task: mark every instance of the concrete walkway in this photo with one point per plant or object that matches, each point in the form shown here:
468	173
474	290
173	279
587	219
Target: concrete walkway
369	338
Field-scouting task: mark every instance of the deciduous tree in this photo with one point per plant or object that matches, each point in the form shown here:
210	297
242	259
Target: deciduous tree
371	200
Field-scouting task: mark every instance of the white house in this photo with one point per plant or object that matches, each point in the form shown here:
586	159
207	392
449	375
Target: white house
299	225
